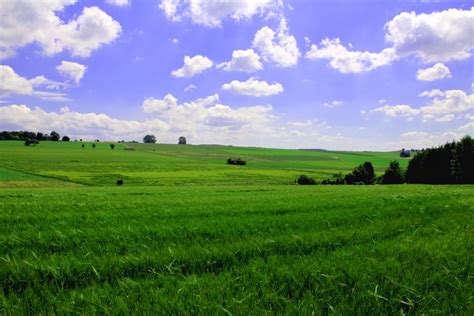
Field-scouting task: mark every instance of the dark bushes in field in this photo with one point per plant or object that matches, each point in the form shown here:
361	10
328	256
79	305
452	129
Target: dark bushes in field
112	146
30	142
54	136
405	153
93	145
65	138
182	140
305	180
149	139
236	161
363	173
393	174
451	163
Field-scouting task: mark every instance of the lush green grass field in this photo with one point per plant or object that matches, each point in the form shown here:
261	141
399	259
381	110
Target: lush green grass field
188	234
179	165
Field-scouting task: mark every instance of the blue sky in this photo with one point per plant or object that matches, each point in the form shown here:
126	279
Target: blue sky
363	75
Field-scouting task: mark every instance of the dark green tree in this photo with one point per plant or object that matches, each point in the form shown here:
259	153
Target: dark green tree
393	174
149	139
54	136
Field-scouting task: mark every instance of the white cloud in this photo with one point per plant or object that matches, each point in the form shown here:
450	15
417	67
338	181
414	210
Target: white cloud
446	102
242	60
415	134
71	70
436	37
402	110
174	40
437	71
151	105
190	88
333	104
75	124
37	22
192	66
279	48
346	61
253	87
212	13
306	123
441	108
446	118
118	3
13	84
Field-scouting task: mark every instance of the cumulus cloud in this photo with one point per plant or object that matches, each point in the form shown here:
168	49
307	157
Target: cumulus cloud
279	48
212	13
151	105
435	37
402	110
414	134
71	70
242	60
347	61
437	71
13	84
253	87
333	104
38	22
441	108
118	3
192	66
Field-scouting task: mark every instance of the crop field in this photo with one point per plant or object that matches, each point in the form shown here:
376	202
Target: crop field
188	234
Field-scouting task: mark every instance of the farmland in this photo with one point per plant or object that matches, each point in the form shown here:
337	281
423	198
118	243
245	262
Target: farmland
189	234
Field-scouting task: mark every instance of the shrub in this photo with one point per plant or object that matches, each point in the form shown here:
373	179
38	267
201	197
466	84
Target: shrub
305	180
93	145
54	136
393	174
65	138
112	146
149	139
182	140
363	173
236	161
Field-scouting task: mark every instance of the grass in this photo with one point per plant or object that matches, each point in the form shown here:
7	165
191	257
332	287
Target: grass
207	247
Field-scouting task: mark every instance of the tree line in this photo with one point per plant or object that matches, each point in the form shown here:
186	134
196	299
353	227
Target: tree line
30	136
452	163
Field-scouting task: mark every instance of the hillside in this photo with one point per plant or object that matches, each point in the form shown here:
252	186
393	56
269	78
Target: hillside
161	164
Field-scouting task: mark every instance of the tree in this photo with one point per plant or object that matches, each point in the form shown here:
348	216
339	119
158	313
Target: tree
31	142
149	139
363	173
393	174
82	145
112	146
65	138
404	153
93	145
54	136
182	140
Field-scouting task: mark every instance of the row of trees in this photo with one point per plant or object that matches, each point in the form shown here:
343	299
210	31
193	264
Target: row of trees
450	163
30	136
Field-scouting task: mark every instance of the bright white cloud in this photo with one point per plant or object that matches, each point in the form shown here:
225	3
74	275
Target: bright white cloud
441	108
279	48
26	22
71	70
402	110
242	60
435	37
347	61
151	105
437	71
13	84
212	13
118	3
192	66
333	104
446	102
253	87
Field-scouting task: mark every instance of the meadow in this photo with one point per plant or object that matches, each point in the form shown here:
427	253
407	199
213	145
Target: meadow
188	234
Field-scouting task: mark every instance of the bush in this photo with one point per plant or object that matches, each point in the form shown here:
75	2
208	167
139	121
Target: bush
149	139
305	180
112	146
363	173
236	161
31	142
182	140
65	138
393	174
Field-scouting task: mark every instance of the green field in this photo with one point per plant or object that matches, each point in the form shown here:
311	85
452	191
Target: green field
188	234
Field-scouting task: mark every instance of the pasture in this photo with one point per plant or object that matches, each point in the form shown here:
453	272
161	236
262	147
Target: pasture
189	234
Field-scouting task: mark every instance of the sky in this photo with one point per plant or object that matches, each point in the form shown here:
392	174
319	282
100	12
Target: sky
333	74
